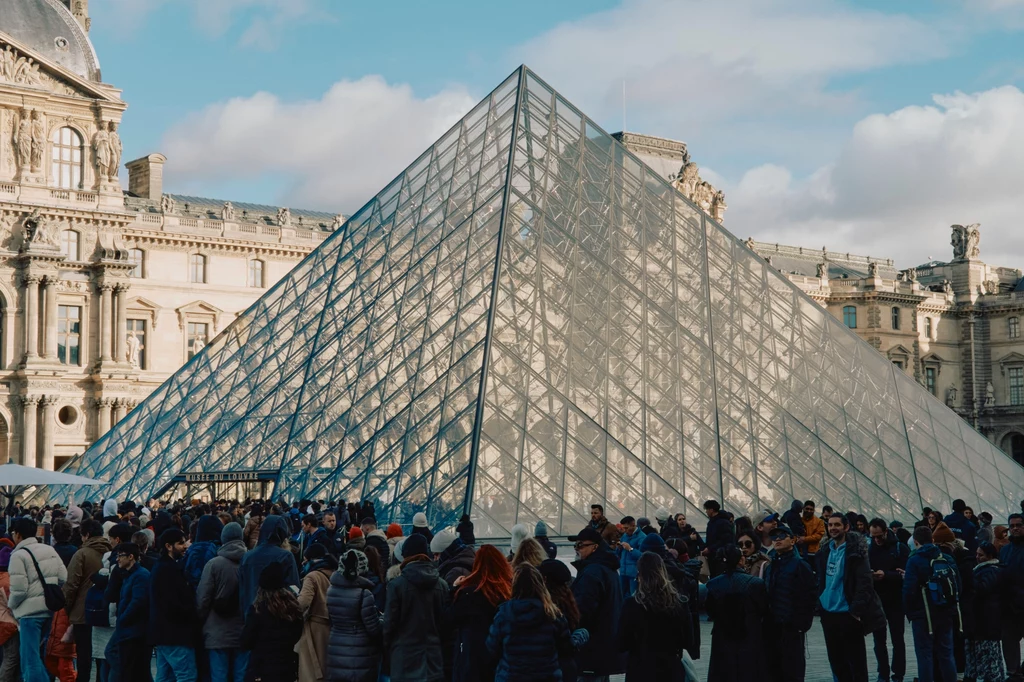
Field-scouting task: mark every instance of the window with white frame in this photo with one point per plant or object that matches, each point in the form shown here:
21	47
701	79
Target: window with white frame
1015	376
69	244
69	332
1013	327
66	159
135	257
256	274
928	327
197	268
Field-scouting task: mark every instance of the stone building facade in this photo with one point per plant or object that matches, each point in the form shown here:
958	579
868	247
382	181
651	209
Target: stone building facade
955	325
104	292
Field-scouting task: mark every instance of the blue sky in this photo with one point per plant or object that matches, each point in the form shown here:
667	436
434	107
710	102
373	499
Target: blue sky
868	126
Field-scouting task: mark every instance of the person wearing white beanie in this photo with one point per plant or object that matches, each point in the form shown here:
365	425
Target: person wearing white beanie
519	533
419	526
396	569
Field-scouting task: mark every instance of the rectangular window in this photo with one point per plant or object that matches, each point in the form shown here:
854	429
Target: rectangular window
69	330
895	318
1014	327
850	316
929	379
135	257
137	331
256	274
197	272
898	363
928	327
1016	375
196	338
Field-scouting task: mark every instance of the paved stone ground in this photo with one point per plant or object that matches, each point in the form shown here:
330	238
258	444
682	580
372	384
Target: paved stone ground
817	661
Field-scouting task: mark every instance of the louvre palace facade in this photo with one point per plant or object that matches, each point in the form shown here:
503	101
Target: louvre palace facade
105	290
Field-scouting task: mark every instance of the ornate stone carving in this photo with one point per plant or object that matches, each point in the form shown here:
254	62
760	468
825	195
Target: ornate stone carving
872	269
115	152
102	153
17	69
40	230
339	220
718	205
284	217
990	394
38	140
23	141
167	203
72	286
965	241
822	270
227	212
133	346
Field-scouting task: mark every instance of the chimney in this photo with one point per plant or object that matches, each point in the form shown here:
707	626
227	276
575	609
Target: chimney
80	10
146	176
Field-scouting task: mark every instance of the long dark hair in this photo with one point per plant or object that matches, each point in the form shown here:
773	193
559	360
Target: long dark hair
373	560
654	591
528	583
563	598
278	603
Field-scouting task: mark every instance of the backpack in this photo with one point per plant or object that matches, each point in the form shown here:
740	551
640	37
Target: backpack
96	612
940	590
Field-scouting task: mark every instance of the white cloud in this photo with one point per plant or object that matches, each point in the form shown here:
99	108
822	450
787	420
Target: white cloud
335	152
689	63
900	181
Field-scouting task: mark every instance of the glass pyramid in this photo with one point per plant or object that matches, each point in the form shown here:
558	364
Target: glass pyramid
527	321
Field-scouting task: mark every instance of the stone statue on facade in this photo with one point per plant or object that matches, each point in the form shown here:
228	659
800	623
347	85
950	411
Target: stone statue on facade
950	396
718	206
39	229
227	212
686	182
822	270
115	152
284	217
167	203
990	394
133	346
23	141
872	269
102	153
339	220
38	141
947	286
965	241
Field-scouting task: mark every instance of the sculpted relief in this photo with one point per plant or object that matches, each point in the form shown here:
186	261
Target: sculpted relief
965	241
700	192
19	69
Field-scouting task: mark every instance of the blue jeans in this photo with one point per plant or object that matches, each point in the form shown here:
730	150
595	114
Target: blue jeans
175	664
228	665
32	631
934	651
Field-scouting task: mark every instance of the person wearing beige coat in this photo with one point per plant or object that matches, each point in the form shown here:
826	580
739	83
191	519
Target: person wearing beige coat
316	630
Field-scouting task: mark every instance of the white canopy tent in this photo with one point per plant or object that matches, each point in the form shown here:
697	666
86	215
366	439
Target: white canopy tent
16	479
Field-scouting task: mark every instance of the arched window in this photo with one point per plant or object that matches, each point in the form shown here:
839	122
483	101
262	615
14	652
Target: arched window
66	159
197	269
135	257
850	316
895	317
69	244
256	274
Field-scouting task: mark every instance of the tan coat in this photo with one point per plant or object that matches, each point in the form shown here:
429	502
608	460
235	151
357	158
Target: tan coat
251	532
86	563
316	631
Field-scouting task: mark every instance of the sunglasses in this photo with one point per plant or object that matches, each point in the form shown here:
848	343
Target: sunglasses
746	543
581	545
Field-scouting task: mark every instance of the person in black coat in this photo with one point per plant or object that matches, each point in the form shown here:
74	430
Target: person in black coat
888	559
655	625
272	628
983	620
465	531
685	584
791	597
173	623
468	618
598	594
738	604
719	535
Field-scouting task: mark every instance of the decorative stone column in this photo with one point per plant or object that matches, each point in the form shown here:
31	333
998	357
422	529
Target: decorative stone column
103	406
50	320
31	318
120	410
28	430
106	323
49	403
121	330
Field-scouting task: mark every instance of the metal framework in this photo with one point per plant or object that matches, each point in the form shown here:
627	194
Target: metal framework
527	321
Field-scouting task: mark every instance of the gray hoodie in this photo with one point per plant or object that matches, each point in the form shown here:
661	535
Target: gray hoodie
220	580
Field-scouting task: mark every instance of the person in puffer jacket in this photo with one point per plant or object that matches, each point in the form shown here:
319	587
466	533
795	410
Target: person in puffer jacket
628	552
353	650
528	632
200	552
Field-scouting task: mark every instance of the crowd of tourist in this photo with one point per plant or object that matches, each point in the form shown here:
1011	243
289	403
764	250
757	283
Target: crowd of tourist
317	591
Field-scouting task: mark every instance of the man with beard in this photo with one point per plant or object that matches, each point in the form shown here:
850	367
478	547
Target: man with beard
173	622
814	531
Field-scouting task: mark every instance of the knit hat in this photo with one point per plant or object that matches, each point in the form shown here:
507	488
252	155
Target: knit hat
415	544
74	515
355	532
397	552
232	531
643	522
394	531
419	520
272	577
943	535
662	514
653	543
540	530
362	564
442	541
555	572
519	533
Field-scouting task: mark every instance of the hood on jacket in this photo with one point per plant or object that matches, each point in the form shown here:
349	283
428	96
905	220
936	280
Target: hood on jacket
161	522
528	612
797	506
233	550
856	545
273	531
519	533
98	543
208	529
420	573
110	508
602	557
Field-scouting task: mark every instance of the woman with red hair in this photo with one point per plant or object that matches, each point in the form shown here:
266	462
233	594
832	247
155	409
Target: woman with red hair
477	598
